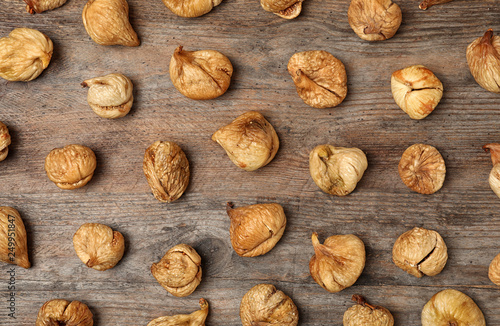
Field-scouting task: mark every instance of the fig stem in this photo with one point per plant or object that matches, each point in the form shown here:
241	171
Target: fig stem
362	301
487	37
494	149
229	206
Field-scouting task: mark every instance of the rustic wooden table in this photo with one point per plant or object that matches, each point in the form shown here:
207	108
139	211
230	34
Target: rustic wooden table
51	112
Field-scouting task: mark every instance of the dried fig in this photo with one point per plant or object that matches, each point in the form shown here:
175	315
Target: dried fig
191	8
483	57
179	271
106	22
24	54
13	238
250	141
287	9
494	270
337	263
255	229
426	4
494	178
337	170
265	305
40	6
196	318
4	141
110	96
59	312
422	169
451	307
374	20
364	314
319	77
200	75
167	170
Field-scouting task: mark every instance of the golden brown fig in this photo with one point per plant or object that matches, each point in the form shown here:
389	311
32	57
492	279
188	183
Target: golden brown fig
106	22
255	229
483	57
452	308
287	9
319	77
24	54
98	246
196	318
250	141
200	75
70	167
265	305
424	5
191	8
179	271
494	270
364	314
494	178
374	20
422	169
40	6
59	312
13	238
337	263
4	141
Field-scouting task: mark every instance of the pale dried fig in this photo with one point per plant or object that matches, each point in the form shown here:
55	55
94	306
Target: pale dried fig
191	8
250	141
4	141
287	9
167	170
110	96
196	318
60	312
494	270
494	178
452	308
337	263
320	78
422	169
179	270
424	5
483	57
40	6
200	75
337	170
255	229
374	20
106	22
364	314
24	54
13	238
265	305
70	167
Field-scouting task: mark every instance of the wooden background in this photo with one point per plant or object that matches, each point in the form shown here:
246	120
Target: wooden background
51	112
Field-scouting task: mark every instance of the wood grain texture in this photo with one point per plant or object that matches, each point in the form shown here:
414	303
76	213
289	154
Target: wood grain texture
51	111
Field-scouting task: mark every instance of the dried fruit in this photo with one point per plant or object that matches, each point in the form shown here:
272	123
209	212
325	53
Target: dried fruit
337	170
196	318
191	8
106	22
60	312
255	229
98	246
494	178
319	77
167	170
422	169
200	75
70	167
250	141
110	96
483	57
265	305
24	54
364	314
40	6
451	307
374	20
494	270
416	90
424	5
420	252
287	9
13	238
179	270
337	263
4	141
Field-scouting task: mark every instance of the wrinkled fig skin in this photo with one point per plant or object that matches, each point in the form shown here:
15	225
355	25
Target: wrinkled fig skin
287	9
196	318
320	78
426	4
39	6
422	169
59	312
374	20
13	238
70	167
337	170
494	178
191	8
256	229
416	90
483	57
24	54
494	270
106	22
167	170
420	252
179	271
364	314
265	305
4	141
338	262
98	246
110	96
452	308
250	141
